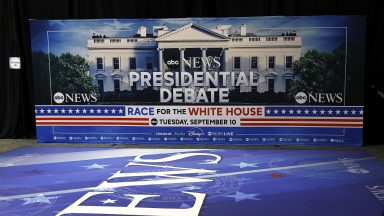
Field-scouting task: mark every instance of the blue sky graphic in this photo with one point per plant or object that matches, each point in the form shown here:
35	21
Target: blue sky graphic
323	33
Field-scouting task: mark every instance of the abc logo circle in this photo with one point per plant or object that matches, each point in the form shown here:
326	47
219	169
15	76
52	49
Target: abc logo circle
301	97
172	62
58	97
154	121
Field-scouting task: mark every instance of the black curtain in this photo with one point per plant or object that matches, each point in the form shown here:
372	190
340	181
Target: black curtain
16	86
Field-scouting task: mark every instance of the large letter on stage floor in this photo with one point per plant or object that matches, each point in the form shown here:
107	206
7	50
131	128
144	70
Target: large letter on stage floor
132	208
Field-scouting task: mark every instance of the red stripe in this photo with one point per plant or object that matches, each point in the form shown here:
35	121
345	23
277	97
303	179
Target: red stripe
92	123
300	119
301	125
82	118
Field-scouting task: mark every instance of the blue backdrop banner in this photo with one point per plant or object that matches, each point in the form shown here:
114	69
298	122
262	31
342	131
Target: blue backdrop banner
244	80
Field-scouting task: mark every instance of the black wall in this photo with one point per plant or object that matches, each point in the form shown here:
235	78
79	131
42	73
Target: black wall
16	86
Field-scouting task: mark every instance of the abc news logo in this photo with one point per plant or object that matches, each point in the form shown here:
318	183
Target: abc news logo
197	62
172	62
302	98
60	98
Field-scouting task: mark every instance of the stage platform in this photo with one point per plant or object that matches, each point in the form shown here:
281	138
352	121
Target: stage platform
207	182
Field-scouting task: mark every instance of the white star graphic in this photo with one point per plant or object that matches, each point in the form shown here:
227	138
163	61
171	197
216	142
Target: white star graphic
108	201
113	111
306	111
49	110
41	111
106	110
242	165
116	25
77	110
276	111
56	111
345	112
70	110
353	112
283	111
239	196
268	111
63	110
84	110
337	112
298	111
322	112
38	199
91	111
314	111
361	112
120	111
330	112
36	111
290	111
98	111
95	166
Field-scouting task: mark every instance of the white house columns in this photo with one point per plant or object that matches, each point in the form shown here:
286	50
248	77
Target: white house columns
203	56
182	65
225	62
161	60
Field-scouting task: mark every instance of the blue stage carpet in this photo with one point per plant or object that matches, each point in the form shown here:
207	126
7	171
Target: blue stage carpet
85	181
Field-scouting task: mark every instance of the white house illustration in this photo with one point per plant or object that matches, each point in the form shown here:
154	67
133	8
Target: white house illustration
270	57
